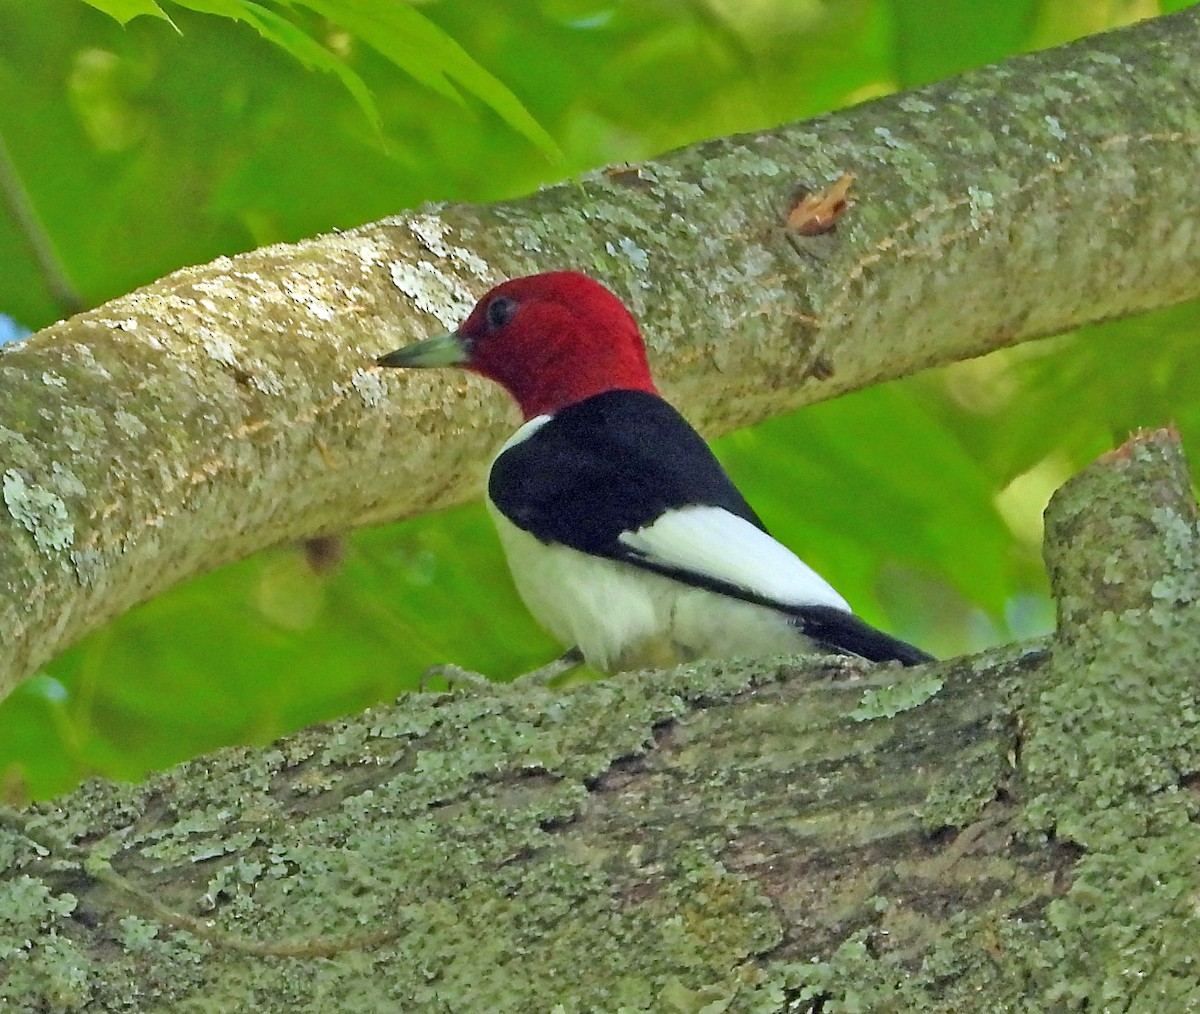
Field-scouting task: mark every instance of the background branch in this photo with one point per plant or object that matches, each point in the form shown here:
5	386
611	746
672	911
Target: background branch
23	215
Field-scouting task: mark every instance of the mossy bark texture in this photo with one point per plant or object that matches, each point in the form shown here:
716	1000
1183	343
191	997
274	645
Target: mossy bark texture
1010	832
235	405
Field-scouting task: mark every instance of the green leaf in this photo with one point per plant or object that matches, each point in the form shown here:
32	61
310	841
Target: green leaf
125	11
235	10
420	48
404	37
292	40
310	53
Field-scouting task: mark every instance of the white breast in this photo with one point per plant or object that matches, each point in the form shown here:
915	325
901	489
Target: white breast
622	617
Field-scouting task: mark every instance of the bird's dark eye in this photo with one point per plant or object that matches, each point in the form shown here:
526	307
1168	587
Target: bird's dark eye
500	311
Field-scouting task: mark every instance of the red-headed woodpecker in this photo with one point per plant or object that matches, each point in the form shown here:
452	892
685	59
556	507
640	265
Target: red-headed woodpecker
625	537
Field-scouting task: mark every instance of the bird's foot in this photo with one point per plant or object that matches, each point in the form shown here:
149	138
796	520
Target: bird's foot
456	677
551	671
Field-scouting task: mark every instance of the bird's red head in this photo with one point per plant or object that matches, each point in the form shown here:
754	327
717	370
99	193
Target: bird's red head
551	340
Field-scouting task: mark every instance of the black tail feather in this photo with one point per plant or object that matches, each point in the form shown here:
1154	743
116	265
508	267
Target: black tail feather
844	632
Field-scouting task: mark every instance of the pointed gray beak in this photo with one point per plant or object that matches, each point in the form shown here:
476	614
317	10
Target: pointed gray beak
440	350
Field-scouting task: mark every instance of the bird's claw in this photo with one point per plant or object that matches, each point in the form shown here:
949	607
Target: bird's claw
457	677
551	671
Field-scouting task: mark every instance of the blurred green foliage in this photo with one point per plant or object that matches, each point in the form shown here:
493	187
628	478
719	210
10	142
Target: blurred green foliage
183	135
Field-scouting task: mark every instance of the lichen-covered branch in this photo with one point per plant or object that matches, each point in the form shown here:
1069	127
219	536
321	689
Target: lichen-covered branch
1014	831
234	405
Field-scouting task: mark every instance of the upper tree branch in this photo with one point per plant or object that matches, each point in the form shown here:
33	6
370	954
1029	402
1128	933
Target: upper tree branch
231	406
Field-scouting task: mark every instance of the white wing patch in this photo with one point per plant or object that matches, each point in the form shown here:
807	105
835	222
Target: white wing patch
711	542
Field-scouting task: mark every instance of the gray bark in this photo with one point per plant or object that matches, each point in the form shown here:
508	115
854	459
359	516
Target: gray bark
232	406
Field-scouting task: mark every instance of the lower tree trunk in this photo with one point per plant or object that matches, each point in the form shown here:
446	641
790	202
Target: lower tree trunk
1012	831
